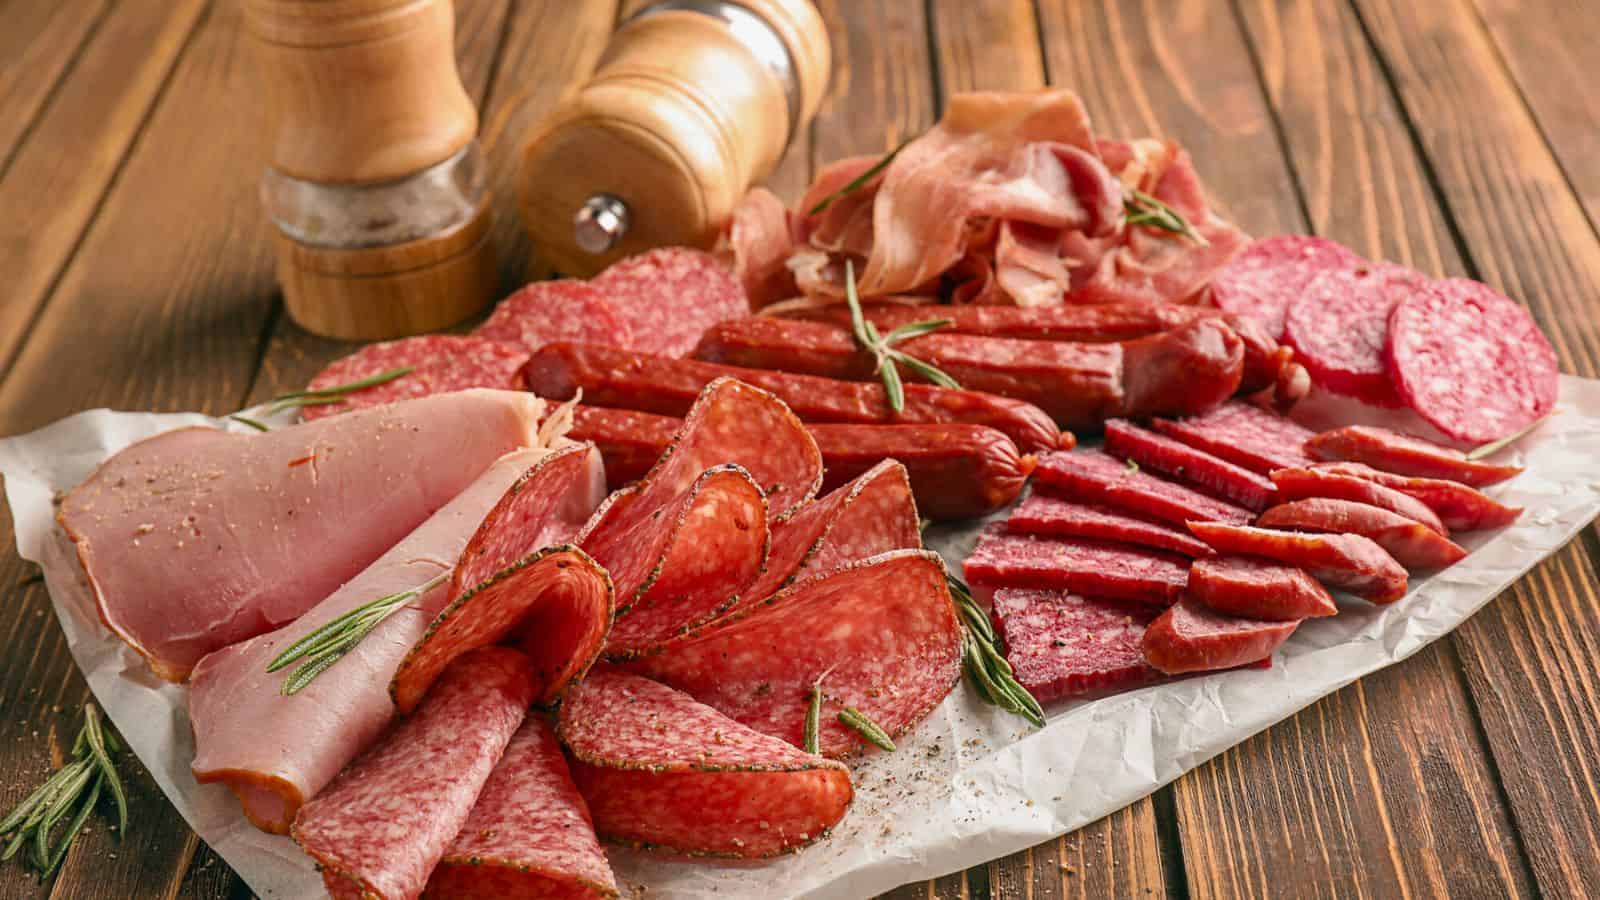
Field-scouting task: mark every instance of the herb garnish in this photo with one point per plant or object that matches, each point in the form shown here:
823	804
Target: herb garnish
1142	209
91	770
327	645
813	740
865	727
986	669
882	345
246	420
329	396
855	183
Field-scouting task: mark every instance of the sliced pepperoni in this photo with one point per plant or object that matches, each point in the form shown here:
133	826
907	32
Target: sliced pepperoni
1412	544
1340	324
1303	484
1459	507
1045	514
440	363
545	312
1095	477
1256	588
1271	274
881	635
529	834
1243	434
1062	645
1347	561
1191	637
1214	475
1471	361
1397	454
1096	568
670	296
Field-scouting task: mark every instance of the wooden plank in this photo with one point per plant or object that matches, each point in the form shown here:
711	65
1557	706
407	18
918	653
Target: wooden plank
1531	655
76	147
40	43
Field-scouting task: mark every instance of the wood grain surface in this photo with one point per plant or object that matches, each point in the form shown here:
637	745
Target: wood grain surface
1454	135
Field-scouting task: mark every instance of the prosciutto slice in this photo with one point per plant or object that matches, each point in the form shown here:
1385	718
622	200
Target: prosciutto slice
198	538
276	752
757	246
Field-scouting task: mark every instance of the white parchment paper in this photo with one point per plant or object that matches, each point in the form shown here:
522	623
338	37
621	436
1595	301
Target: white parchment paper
969	785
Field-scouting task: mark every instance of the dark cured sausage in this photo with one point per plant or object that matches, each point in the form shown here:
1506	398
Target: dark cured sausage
956	471
1181	372
624	379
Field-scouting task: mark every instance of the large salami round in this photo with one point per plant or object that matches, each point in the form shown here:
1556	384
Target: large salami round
663	771
1340	324
671	295
1471	361
440	363
548	311
1264	280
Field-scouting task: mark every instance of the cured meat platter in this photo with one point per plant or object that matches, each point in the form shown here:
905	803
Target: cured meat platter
641	565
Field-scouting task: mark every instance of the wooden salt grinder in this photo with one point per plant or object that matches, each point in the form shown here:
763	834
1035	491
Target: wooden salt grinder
692	103
376	182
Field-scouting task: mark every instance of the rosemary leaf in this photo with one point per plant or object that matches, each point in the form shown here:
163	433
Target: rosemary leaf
813	741
70	792
100	753
915	330
75	826
880	346
328	644
855	183
865	727
929	371
1142	209
985	666
246	420
323	396
893	388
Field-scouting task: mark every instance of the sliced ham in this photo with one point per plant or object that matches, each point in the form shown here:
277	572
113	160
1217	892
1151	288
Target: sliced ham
175	532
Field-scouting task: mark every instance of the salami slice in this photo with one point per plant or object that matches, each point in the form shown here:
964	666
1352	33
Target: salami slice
380	827
1303	484
548	311
1255	588
1048	515
1177	460
1063	645
660	770
1243	434
1095	477
1459	507
1096	568
529	834
1411	543
1340	324
1397	454
440	363
883	631
1471	361
1347	561
1272	273
1191	637
670	296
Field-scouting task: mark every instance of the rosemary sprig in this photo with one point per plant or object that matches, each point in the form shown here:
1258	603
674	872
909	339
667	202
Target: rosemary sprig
75	788
1142	209
813	741
865	727
246	420
326	645
987	670
855	183
332	395
882	345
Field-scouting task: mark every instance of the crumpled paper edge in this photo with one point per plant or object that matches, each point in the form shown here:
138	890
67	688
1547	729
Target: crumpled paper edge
969	785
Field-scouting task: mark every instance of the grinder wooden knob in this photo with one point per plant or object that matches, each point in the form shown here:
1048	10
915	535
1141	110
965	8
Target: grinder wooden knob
692	103
375	180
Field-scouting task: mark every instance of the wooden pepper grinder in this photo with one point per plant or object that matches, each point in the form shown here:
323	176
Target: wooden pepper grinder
692	103
376	182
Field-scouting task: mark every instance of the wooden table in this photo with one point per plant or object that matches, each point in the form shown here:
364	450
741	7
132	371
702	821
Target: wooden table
1459	136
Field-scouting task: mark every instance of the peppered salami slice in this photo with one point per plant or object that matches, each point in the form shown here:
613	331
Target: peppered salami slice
1256	588
660	770
1062	645
670	296
1340	325
1347	561
1095	477
1271	274
1392	452
1471	361
387	819
883	631
544	312
440	363
1191	637
1045	514
529	834
1243	434
1412	544
1459	507
1175	459
1303	484
1097	568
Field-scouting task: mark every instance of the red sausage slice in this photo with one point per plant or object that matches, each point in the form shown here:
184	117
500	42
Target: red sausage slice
670	295
1340	324
440	363
1243	434
1398	454
1258	589
1111	571
1190	637
1304	484
1346	561
548	311
1264	280
1412	544
1063	645
1459	507
1044	514
1211	474
1095	477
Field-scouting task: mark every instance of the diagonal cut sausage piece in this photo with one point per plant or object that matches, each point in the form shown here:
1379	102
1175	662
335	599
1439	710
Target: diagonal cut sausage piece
1175	459
1347	561
1304	484
1092	476
1397	454
1459	507
1191	637
1048	515
1412	544
1243	434
1096	568
1256	588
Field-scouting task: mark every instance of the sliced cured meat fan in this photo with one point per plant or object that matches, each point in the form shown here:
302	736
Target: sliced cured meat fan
1044	514
1190	637
1094	477
1411	543
175	531
548	311
1062	645
529	834
1304	484
1254	588
669	296
1272	273
883	632
439	363
1459	507
1099	569
1347	561
388	819
1215	476
660	770
1244	435
1398	454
